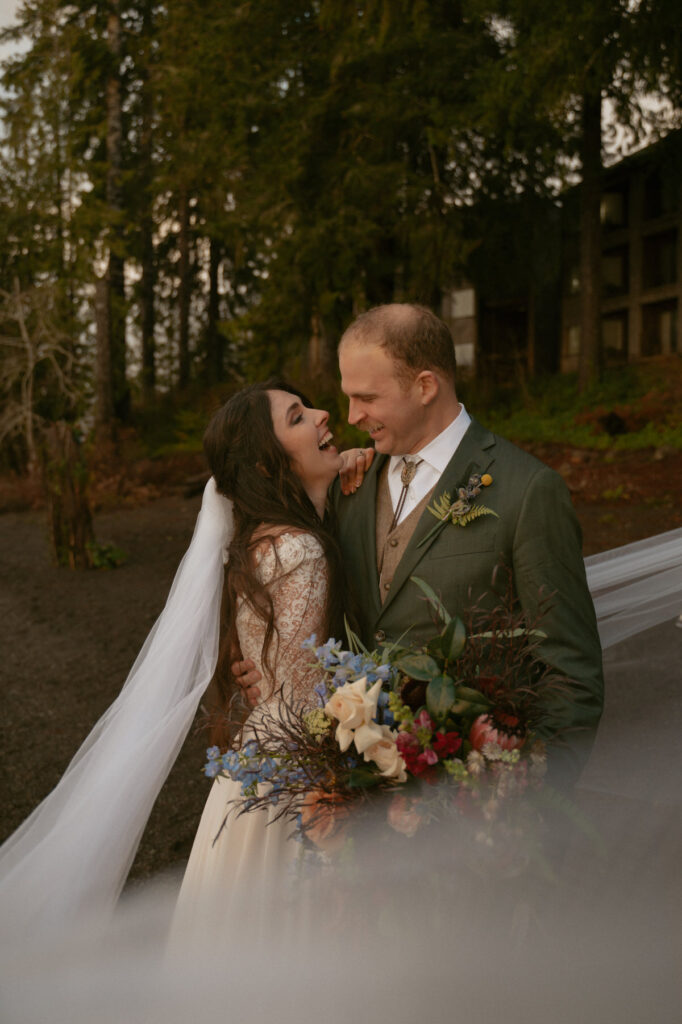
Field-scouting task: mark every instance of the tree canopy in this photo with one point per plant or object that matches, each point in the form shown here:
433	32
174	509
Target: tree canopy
211	189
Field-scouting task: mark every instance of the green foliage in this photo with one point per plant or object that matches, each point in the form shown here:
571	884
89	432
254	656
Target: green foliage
554	411
281	166
106	556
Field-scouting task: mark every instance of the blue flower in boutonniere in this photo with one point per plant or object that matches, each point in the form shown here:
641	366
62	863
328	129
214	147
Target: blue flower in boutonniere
462	510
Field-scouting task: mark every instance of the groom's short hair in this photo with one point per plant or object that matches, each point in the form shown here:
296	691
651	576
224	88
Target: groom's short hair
414	337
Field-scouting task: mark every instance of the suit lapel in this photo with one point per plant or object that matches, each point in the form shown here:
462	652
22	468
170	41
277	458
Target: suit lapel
474	455
366	525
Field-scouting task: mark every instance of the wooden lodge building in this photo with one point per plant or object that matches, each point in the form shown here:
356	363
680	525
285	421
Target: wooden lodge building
519	310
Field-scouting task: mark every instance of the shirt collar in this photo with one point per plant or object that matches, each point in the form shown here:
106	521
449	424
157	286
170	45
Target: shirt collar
438	452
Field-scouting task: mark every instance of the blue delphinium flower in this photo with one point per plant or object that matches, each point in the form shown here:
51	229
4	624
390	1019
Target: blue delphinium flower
213	753
322	693
310	643
212	769
327	654
230	760
383	672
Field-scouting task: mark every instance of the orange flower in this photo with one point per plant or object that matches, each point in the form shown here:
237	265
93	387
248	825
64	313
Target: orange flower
402	815
322	815
486	479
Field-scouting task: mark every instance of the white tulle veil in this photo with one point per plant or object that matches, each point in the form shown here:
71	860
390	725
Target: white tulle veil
71	856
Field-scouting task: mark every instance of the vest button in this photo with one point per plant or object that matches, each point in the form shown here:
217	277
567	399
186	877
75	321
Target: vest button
387	586
393	542
380	636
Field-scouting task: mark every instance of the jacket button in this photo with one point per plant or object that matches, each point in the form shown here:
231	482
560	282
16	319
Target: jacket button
380	636
387	586
393	542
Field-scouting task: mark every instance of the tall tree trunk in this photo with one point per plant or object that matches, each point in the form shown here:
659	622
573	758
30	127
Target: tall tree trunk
69	517
105	387
184	294
148	282
148	321
590	241
215	343
114	142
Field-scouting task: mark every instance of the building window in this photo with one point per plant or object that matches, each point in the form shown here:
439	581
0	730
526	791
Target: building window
613	208
659	328
614	332
661	193
465	355
614	270
462	303
660	259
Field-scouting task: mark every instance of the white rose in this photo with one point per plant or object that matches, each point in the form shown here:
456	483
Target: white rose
386	755
353	705
367	735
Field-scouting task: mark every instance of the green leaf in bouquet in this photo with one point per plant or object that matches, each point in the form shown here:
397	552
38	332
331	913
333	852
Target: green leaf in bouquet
433	599
363	778
473	696
453	639
440	695
417	666
434	647
460	707
355	643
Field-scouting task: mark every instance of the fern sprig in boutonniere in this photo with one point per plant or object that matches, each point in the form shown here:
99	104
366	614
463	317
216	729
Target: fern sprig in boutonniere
462	510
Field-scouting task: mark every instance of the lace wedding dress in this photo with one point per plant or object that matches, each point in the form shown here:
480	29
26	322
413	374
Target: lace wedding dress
243	857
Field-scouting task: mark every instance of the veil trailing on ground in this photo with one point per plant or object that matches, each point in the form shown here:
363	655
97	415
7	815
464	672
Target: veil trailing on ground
72	855
70	858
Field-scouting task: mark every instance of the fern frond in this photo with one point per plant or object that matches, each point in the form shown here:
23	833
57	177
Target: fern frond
476	511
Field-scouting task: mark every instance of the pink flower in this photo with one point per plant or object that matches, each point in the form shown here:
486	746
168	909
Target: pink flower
424	721
484	731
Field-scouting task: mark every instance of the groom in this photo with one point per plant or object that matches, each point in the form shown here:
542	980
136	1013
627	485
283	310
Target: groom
398	370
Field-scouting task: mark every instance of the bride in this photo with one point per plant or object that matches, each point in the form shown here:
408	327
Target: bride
264	514
273	457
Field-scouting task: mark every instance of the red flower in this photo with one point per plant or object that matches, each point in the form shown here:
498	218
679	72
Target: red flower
446	743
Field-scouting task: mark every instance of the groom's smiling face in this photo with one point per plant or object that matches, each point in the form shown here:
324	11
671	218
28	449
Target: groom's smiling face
390	409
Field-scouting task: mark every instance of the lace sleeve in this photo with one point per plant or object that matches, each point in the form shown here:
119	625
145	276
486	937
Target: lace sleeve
295	571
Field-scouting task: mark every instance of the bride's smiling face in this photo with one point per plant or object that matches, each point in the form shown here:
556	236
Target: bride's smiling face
305	437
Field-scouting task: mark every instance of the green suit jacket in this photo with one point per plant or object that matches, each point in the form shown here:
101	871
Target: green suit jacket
537	535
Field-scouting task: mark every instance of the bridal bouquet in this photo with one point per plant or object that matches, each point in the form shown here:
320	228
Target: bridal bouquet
462	709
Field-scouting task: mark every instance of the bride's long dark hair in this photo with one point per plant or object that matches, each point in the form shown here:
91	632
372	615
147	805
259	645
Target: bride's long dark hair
251	467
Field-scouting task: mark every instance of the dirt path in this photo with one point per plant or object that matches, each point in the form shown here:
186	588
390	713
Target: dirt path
68	639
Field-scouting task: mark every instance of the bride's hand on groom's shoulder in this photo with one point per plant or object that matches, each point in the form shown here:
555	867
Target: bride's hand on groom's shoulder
356	462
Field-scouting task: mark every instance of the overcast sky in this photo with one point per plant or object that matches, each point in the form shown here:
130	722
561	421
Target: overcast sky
7	9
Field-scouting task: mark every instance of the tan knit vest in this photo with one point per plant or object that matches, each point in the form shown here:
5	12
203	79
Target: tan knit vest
391	546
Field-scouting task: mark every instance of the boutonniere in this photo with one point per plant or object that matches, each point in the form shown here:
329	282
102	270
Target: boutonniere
462	510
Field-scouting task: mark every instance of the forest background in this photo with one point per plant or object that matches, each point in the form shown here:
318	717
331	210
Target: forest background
199	193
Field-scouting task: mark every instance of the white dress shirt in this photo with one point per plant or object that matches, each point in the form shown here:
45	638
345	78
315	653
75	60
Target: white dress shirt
435	455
